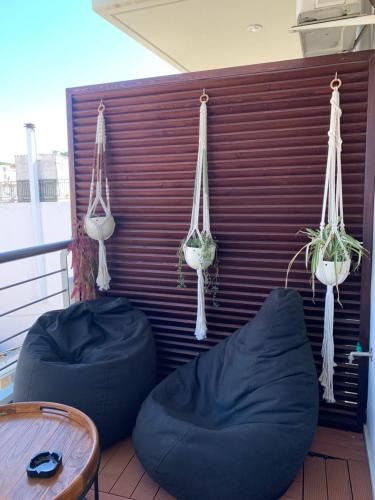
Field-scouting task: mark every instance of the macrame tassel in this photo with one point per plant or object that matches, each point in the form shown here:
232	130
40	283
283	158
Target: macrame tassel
200	327
328	348
103	278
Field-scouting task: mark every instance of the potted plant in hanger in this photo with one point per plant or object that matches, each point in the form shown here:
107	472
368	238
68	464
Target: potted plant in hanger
100	227
330	251
329	255
200	252
198	249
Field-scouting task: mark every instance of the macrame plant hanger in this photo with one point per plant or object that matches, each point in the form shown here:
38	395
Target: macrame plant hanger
192	256
100	227
332	273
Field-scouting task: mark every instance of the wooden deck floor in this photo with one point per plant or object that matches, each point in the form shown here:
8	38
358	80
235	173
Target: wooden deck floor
336	469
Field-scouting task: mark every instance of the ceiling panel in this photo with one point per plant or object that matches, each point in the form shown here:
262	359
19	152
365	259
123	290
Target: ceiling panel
196	35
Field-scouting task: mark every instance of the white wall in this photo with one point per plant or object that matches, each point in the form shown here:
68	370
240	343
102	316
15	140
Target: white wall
370	426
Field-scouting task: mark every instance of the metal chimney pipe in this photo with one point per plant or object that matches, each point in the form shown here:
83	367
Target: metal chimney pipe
36	213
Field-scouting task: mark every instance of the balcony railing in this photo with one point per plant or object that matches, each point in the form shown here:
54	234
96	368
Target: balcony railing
11	343
49	190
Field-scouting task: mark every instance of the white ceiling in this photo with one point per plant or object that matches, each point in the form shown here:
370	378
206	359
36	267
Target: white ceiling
196	35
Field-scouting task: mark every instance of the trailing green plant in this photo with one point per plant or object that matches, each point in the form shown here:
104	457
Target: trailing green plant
333	251
211	280
210	274
181	262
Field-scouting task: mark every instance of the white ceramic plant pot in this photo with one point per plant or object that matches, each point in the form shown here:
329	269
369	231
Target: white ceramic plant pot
329	274
194	259
100	228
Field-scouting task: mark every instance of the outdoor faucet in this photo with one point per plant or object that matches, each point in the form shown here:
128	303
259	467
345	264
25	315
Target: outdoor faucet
358	353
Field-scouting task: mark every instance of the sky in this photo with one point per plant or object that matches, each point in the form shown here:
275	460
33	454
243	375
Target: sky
47	46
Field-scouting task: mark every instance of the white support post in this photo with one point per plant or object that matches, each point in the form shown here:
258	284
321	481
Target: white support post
36	215
65	277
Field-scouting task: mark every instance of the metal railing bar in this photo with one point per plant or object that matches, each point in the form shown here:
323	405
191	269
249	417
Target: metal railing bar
34	302
14	336
8	365
32	279
24	253
49	190
4	354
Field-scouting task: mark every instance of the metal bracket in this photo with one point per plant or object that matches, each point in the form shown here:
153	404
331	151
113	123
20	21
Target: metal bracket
355	354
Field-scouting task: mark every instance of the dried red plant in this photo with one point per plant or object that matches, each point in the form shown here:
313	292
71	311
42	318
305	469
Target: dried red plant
84	265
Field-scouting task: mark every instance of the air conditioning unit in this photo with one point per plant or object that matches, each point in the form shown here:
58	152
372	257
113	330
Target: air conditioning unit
328	40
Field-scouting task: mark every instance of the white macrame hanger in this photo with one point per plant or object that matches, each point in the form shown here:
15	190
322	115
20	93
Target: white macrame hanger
98	227
201	177
97	169
333	200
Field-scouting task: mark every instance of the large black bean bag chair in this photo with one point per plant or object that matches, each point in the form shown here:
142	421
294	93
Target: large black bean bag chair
98	356
236	422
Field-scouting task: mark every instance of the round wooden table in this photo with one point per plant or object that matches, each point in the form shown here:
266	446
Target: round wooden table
29	428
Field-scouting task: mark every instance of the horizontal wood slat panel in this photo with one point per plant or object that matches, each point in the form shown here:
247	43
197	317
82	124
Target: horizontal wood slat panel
267	142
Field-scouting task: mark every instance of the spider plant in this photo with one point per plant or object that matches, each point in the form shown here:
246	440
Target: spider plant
333	251
210	274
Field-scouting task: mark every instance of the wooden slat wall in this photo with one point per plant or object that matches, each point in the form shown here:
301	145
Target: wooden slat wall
267	141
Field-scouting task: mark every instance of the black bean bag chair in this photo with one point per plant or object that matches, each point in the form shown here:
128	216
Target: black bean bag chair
236	422
98	356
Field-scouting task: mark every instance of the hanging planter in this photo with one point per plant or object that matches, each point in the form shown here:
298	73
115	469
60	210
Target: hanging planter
331	250
200	253
330	273
100	227
199	250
